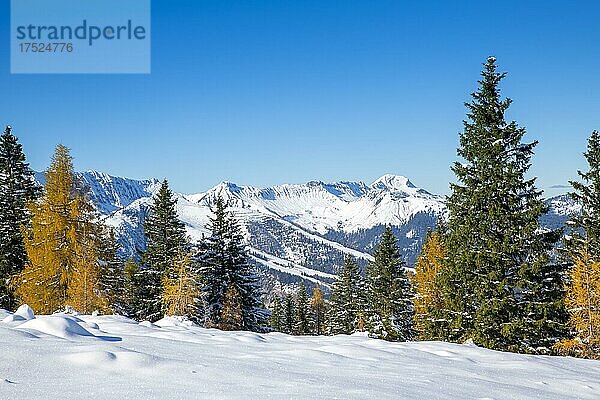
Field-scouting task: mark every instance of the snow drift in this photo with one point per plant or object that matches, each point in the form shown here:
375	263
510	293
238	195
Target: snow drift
112	357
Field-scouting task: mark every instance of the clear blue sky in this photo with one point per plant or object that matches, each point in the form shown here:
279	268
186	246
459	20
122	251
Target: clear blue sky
269	92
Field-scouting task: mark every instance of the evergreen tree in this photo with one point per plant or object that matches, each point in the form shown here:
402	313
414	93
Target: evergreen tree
583	247
276	318
302	320
390	300
317	307
17	187
347	302
288	315
586	226
428	300
223	263
63	244
131	287
113	281
181	292
500	288
165	236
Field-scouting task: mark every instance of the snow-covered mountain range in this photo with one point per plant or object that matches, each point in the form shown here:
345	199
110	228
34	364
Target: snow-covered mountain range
294	231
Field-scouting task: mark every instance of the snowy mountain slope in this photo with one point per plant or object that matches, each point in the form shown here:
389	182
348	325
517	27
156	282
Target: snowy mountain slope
111	357
299	231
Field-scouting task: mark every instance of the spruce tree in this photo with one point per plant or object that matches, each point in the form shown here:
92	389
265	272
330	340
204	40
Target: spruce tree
223	262
302	320
17	187
347	302
586	226
500	288
583	248
288	315
165	237
276	318
390	308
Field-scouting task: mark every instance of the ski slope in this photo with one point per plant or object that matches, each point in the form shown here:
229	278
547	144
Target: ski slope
110	357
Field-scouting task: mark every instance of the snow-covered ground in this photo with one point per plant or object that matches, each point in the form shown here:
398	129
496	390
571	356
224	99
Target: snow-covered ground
110	357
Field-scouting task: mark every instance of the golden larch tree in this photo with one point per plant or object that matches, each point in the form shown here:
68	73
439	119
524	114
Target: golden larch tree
583	304
231	314
61	243
317	306
428	295
180	288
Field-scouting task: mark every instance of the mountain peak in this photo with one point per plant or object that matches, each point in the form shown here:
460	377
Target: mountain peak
393	182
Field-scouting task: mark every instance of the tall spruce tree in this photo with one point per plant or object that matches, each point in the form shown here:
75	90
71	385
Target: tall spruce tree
499	286
288	315
302	321
165	237
347	300
276	318
224	263
586	226
390	307
17	187
583	248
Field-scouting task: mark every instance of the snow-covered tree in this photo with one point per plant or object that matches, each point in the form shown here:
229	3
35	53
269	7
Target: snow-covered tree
17	187
302	319
276	318
347	300
390	307
223	263
165	236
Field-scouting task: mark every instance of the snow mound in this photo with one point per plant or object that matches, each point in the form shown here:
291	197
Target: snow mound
60	326
174	321
111	360
25	311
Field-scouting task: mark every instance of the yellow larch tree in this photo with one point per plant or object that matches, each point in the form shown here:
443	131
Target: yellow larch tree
180	288
428	295
583	304
231	314
61	243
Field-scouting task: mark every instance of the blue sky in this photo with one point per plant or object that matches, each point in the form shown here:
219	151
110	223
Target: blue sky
268	92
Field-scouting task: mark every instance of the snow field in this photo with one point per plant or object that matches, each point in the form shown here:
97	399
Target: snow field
64	356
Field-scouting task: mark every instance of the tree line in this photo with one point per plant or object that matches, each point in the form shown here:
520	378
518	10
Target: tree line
488	274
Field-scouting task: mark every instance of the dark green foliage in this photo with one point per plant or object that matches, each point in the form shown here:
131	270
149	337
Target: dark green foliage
347	301
390	308
17	187
165	236
223	261
586	227
288	315
276	318
497	263
302	318
113	280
